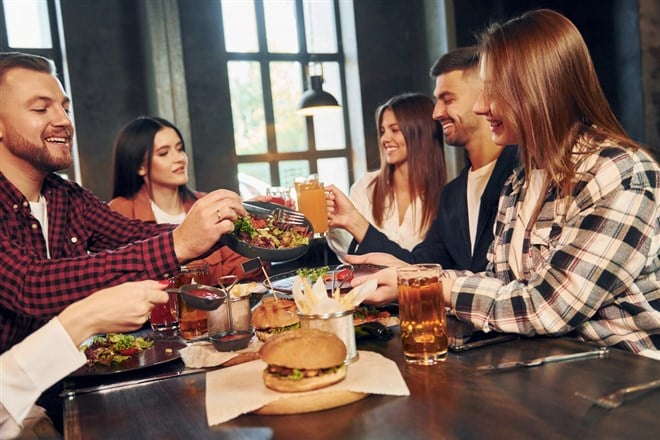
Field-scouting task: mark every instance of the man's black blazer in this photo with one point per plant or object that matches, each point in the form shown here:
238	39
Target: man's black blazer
448	239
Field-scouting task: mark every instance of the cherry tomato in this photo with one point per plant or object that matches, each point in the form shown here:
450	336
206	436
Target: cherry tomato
342	275
128	351
259	223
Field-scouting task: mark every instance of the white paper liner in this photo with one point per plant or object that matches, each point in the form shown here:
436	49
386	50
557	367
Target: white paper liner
238	390
204	355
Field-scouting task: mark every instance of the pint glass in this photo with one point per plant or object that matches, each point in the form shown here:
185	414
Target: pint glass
422	314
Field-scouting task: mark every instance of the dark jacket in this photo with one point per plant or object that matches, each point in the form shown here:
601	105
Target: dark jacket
448	239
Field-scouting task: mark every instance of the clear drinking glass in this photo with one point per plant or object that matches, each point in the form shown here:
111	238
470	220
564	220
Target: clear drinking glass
192	322
281	195
311	201
422	314
165	317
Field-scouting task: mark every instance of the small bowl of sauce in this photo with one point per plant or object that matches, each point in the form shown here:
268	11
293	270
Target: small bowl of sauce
231	341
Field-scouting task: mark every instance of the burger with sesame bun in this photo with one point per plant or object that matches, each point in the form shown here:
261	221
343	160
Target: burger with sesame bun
303	360
274	316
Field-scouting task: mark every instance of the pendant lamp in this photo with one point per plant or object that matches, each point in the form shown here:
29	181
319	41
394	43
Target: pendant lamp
315	99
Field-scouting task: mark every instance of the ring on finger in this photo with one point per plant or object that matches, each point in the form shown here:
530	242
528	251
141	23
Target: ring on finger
218	215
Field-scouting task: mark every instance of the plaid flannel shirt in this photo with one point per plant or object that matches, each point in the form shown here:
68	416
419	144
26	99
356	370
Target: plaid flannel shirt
590	265
91	247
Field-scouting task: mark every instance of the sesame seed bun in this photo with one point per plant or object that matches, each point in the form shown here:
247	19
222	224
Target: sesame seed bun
303	360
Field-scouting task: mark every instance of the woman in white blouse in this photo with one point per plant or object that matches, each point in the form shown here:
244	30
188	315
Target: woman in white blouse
401	198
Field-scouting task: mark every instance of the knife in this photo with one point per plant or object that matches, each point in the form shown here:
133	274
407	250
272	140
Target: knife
127	384
598	352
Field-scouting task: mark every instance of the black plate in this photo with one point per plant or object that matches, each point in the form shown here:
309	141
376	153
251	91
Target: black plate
163	350
263	209
284	281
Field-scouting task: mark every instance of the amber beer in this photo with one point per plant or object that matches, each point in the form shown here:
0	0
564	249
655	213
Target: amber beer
311	201
422	314
193	323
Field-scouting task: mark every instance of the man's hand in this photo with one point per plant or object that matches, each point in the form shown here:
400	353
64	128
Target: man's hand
209	218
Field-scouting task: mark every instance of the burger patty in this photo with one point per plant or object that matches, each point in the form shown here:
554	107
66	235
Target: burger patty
298	373
276	330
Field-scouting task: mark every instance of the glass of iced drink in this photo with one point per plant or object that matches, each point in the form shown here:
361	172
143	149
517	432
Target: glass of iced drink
422	314
311	201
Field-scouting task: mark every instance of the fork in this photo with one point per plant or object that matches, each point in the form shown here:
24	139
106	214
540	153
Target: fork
288	216
615	399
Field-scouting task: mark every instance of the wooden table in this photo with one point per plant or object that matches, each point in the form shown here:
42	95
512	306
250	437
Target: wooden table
451	400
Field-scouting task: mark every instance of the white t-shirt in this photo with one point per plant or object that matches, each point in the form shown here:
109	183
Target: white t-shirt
476	184
164	217
40	212
407	234
31	367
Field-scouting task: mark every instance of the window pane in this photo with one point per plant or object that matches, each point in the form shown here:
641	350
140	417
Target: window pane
320	26
286	88
27	24
334	170
239	25
329	126
253	179
247	107
281	28
290	169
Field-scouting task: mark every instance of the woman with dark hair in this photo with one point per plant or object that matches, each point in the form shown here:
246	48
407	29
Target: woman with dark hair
401	198
577	234
150	182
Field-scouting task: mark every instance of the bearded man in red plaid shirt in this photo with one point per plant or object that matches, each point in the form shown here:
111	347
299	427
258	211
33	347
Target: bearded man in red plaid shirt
58	241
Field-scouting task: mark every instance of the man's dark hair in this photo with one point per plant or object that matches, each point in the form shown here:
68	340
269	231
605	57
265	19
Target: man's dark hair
462	58
10	60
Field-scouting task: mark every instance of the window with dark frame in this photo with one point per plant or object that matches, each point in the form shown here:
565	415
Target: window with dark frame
270	48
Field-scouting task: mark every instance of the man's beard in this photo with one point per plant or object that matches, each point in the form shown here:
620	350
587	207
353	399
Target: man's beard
36	155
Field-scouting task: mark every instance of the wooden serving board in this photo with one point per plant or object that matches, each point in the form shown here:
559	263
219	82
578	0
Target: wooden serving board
306	403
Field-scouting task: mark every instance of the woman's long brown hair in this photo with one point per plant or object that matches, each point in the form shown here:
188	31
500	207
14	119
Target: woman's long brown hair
539	72
426	164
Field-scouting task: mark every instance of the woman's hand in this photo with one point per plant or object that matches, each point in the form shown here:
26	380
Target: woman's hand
118	309
386	292
379	258
387	285
342	213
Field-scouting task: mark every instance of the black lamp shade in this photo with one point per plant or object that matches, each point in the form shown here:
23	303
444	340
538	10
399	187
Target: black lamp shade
316	99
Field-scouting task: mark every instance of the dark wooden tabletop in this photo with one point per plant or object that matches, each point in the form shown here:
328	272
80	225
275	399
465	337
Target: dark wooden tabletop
451	400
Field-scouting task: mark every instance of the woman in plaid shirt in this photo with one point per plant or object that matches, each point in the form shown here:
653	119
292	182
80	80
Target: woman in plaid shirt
577	234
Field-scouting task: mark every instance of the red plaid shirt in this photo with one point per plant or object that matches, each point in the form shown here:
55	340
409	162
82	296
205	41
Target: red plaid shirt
91	247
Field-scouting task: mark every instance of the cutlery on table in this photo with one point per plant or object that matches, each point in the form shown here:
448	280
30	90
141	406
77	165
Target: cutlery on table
615	399
598	352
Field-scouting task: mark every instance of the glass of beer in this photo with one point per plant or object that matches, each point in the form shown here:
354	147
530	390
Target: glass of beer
192	322
311	201
422	314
